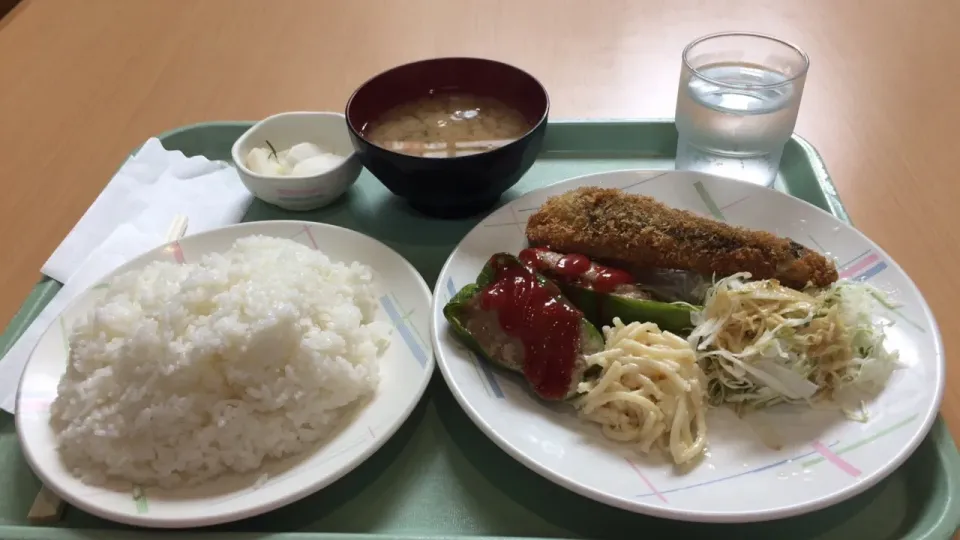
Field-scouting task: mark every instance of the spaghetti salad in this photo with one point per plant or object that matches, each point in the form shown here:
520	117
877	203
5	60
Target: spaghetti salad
649	390
760	343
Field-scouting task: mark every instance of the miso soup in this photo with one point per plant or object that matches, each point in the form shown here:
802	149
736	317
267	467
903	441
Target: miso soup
447	125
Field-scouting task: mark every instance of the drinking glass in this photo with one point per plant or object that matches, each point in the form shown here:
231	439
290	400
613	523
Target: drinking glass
737	104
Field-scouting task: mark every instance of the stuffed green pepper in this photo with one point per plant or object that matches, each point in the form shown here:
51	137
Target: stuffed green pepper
517	319
602	292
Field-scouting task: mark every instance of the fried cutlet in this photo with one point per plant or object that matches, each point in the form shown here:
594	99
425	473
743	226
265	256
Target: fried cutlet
640	232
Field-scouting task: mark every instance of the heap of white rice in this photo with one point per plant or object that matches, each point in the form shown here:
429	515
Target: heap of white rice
183	372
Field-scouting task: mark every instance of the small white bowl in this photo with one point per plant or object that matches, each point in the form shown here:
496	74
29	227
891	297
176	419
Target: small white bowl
327	130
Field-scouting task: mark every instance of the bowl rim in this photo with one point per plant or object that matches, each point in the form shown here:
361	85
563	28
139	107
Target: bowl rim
238	160
536	125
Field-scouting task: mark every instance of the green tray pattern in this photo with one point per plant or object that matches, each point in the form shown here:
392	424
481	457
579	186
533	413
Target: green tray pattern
439	476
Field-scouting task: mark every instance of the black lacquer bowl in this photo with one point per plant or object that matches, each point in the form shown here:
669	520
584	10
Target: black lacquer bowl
450	187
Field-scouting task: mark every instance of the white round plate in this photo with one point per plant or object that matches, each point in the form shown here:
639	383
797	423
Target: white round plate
405	370
823	457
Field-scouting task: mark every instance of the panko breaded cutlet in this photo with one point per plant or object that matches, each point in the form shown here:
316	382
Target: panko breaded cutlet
640	232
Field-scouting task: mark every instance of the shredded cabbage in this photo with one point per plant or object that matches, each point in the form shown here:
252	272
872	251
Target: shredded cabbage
760	343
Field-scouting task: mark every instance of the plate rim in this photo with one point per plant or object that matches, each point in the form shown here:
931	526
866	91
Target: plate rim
638	506
231	515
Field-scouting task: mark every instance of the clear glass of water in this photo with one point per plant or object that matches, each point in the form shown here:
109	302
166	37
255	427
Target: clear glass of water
737	104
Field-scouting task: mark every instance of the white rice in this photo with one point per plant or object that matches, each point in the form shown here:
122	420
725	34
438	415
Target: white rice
183	372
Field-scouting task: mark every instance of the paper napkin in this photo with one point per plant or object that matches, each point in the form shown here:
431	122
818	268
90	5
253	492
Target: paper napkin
150	189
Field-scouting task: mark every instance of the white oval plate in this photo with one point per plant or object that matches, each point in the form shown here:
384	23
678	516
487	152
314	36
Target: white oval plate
405	370
824	457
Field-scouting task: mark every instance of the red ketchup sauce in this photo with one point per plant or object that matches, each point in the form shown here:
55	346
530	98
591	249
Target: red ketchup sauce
548	328
532	258
573	268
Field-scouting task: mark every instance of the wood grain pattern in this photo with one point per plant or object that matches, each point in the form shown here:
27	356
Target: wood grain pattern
83	82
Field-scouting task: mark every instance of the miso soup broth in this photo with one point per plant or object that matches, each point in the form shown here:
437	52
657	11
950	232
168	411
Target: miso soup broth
447	124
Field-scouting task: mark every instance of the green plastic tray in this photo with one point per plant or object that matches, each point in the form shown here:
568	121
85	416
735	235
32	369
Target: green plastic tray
439	476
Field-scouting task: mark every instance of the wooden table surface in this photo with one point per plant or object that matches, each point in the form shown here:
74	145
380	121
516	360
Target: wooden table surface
84	82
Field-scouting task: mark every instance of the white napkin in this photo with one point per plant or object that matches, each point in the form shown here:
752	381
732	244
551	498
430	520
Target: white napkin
147	192
130	217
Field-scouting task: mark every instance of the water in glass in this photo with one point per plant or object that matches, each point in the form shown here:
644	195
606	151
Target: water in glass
734	119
